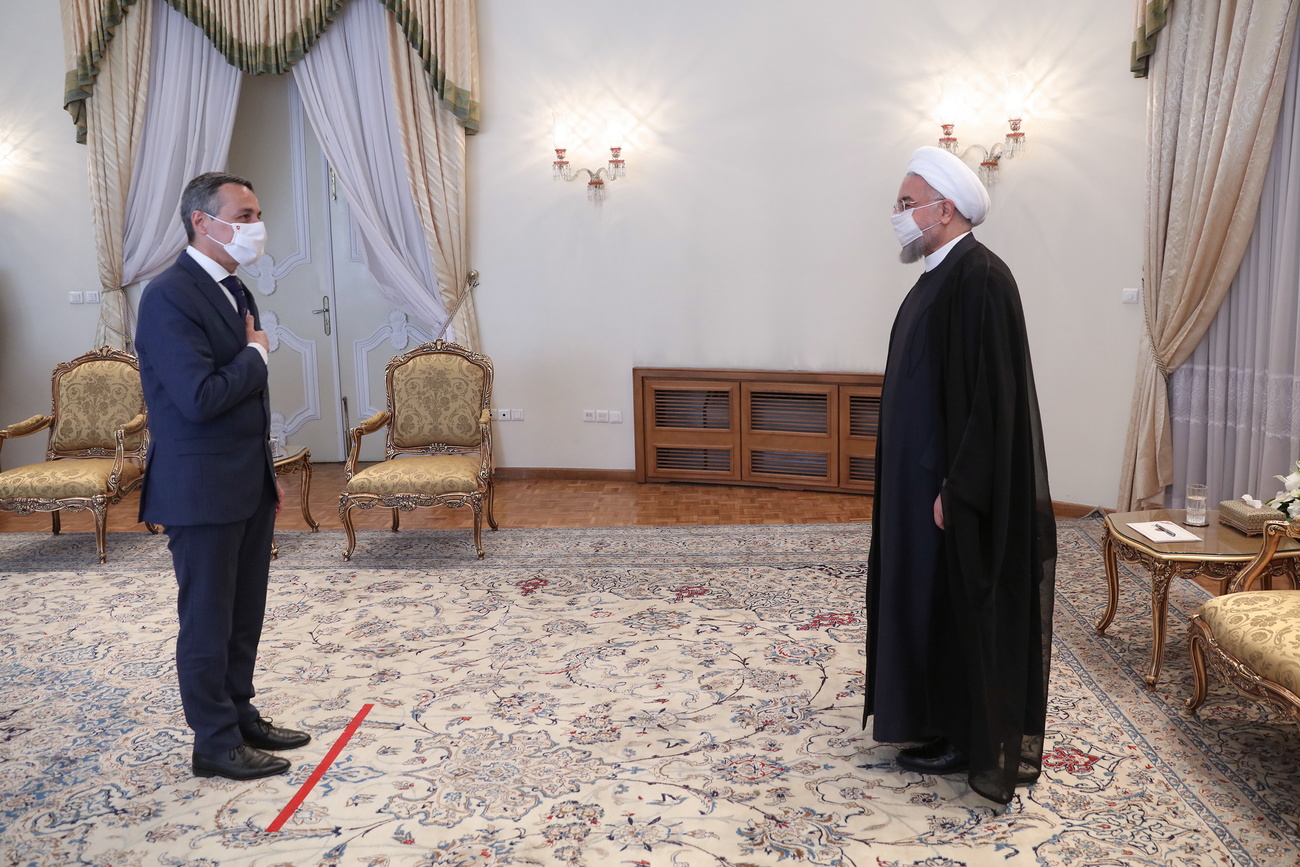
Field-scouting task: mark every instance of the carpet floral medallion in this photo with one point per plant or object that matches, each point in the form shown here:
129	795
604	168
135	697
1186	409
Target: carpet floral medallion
675	697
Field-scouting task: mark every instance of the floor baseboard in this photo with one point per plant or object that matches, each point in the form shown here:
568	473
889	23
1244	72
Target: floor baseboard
516	474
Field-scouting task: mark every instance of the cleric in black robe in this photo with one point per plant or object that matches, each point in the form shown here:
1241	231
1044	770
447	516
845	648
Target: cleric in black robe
962	564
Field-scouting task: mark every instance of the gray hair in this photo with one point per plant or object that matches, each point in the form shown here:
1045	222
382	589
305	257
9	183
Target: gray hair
204	194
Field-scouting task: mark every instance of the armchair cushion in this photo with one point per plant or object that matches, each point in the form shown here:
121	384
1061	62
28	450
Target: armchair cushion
1262	630
437	398
56	480
93	400
431	475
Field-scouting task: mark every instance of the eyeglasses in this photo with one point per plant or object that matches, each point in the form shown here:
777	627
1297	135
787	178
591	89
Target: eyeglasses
900	207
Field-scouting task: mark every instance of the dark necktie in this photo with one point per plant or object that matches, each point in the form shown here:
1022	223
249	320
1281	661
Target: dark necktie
237	291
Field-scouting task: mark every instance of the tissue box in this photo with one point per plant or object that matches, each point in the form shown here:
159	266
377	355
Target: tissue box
1248	520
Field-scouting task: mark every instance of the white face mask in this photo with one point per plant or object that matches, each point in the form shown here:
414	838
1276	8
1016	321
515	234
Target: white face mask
905	226
247	243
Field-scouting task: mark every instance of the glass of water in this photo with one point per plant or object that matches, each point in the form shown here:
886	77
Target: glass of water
1196	495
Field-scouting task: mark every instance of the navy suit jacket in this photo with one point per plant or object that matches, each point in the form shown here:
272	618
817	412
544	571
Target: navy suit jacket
205	387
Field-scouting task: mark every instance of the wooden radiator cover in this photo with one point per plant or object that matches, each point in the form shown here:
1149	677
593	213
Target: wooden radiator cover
784	429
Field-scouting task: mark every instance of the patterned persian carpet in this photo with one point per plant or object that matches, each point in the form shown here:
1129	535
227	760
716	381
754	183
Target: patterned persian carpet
602	697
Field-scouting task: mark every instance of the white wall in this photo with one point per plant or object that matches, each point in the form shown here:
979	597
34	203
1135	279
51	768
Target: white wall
752	230
47	245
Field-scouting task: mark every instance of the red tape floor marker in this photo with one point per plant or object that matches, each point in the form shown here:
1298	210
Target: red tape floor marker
306	787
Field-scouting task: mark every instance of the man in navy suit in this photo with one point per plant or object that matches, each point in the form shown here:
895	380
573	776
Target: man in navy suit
210	479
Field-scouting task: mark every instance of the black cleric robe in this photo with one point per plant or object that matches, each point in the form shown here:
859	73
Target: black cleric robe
959	620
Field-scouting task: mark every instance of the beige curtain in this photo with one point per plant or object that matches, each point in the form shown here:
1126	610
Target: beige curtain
444	36
112	127
433	143
269	36
1151	17
1216	90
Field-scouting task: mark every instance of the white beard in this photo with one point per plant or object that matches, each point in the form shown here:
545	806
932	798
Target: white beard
912	252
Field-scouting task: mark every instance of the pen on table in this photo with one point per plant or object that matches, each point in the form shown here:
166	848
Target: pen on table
1163	529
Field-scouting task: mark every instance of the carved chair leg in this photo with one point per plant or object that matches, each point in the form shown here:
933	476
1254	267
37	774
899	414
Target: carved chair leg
491	498
101	530
1196	648
396	520
478	527
153	528
345	514
55	525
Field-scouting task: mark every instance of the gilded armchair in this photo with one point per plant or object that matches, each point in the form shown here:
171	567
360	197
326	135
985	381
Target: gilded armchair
438	450
1252	639
97	442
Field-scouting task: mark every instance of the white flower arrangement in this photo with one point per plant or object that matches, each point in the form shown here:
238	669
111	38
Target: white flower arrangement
1288	501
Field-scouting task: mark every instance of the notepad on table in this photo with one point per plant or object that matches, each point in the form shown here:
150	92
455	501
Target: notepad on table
1164	531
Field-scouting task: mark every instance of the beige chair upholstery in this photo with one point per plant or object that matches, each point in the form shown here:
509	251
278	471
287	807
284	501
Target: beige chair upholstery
438	450
1252	639
97	442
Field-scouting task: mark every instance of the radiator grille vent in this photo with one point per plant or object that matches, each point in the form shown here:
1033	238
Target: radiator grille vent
862	469
696	410
864	415
789	464
789	412
693	459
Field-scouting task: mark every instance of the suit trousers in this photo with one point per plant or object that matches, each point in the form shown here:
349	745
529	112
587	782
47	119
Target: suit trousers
221	573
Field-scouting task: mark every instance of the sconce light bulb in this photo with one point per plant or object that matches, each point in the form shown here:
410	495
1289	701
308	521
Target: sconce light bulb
614	127
1017	88
950	102
561	132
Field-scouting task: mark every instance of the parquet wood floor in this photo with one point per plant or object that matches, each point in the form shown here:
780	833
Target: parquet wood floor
531	503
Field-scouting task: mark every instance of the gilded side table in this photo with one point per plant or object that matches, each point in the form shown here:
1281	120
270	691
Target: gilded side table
297	463
1220	555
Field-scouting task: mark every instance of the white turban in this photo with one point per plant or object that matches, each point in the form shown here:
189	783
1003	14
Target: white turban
952	179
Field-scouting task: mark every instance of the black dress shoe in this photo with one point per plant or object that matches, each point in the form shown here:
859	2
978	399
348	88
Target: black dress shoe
241	763
948	761
265	736
1026	774
928	750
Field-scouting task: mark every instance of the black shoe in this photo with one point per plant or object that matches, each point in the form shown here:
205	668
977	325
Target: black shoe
1026	775
947	761
241	763
265	736
928	750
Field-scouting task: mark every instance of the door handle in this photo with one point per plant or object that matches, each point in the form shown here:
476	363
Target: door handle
325	309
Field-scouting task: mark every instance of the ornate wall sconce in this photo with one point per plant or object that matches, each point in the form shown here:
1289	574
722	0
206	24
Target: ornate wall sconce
953	108
566	136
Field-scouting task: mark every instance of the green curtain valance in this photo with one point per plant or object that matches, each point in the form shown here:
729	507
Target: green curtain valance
1151	18
262	37
88	27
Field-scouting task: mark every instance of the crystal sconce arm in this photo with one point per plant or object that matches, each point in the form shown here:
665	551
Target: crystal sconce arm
563	170
1009	147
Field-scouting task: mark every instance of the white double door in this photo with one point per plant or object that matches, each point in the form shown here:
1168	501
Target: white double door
331	331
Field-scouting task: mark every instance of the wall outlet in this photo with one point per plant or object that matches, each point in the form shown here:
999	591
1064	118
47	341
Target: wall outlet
602	416
92	297
74	298
615	417
1131	296
516	415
